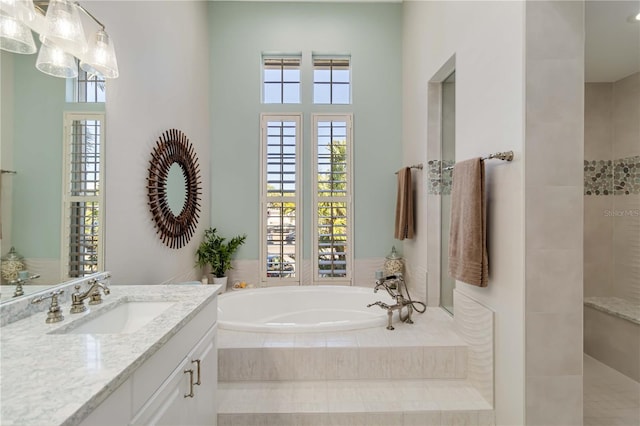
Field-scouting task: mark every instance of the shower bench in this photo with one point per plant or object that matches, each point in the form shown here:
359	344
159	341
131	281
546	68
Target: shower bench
612	333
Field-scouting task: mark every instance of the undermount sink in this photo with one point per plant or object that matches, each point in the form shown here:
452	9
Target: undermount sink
127	317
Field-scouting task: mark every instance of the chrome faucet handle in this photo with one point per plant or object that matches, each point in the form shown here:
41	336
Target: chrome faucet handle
95	298
55	312
77	301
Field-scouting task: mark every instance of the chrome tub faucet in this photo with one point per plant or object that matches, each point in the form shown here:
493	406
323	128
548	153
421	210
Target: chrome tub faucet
394	285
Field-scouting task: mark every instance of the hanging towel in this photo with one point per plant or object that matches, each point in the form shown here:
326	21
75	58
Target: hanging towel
468	260
404	205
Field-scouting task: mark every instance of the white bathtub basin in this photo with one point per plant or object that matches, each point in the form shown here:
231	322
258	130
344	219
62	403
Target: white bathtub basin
127	317
302	309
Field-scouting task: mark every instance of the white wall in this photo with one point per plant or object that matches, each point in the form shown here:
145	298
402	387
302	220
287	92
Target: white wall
163	57
487	39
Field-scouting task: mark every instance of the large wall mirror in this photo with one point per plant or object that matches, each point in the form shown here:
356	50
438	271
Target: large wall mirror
32	108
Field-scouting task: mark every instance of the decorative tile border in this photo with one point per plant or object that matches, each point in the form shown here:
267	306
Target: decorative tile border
612	177
440	182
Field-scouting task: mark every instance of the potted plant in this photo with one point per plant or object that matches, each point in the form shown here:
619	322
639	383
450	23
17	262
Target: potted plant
216	252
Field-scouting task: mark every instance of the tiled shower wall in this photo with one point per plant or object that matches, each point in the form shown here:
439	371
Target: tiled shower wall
612	189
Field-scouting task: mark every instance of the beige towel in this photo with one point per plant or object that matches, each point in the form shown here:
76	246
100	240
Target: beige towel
404	205
468	261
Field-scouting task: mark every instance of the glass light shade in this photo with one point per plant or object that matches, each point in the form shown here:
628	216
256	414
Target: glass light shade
64	28
8	7
15	36
54	61
27	14
101	57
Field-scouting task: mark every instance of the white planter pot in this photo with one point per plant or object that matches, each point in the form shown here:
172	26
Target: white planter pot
221	281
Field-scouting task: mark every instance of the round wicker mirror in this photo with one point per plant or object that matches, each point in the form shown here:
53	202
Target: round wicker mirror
173	147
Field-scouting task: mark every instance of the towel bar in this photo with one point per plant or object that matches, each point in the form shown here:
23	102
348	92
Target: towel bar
505	156
415	166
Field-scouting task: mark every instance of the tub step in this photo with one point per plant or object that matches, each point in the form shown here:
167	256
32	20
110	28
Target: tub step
342	363
352	402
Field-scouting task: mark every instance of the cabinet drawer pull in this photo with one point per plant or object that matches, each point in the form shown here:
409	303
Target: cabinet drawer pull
197	361
190	394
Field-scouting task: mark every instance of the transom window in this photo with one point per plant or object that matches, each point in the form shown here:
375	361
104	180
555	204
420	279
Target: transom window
331	80
281	80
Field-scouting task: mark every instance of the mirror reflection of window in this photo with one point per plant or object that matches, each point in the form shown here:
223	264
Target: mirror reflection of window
86	88
83	199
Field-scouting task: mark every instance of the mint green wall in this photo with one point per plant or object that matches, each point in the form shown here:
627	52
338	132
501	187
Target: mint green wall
39	104
372	34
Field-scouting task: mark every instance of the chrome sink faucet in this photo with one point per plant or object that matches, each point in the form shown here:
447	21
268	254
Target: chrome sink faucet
55	311
93	293
391	283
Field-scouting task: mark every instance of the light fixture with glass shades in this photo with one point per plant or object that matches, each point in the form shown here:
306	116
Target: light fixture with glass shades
62	37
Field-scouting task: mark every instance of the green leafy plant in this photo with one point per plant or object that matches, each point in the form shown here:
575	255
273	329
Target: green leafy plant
215	251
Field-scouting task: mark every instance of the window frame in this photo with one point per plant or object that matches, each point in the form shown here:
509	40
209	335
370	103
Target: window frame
282	82
265	199
347	199
331	83
68	199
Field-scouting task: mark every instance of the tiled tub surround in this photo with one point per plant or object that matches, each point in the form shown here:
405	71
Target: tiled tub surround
415	375
74	373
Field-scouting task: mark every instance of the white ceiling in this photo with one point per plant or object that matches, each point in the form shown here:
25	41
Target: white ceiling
612	42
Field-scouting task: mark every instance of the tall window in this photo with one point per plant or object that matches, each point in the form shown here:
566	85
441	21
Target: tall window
281	80
333	243
331	80
280	197
83	194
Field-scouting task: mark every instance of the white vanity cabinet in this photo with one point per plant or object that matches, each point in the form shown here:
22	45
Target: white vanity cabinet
187	396
176	386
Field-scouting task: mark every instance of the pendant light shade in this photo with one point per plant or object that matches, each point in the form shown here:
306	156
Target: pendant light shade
64	28
56	62
61	34
15	36
101	57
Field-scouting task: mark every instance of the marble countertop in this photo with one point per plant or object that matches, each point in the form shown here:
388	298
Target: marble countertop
48	378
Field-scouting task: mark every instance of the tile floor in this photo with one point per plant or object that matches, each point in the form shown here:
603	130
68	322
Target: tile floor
610	398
